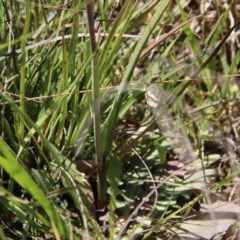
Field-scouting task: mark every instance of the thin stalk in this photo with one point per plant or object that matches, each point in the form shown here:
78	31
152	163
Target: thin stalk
64	85
23	69
101	199
75	27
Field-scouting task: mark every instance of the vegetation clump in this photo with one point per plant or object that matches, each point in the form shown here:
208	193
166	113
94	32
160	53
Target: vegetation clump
119	119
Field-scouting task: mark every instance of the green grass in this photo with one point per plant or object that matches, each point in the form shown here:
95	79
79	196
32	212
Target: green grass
105	84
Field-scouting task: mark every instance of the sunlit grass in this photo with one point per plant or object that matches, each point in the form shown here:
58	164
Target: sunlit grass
115	90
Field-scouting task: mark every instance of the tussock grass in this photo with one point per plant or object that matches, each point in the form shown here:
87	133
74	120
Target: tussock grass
110	116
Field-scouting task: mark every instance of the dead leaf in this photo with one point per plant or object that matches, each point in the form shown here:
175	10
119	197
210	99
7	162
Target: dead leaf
211	221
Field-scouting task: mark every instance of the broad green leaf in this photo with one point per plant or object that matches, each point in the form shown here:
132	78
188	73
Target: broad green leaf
13	167
114	174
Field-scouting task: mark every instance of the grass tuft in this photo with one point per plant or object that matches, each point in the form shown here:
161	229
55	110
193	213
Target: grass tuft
119	119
